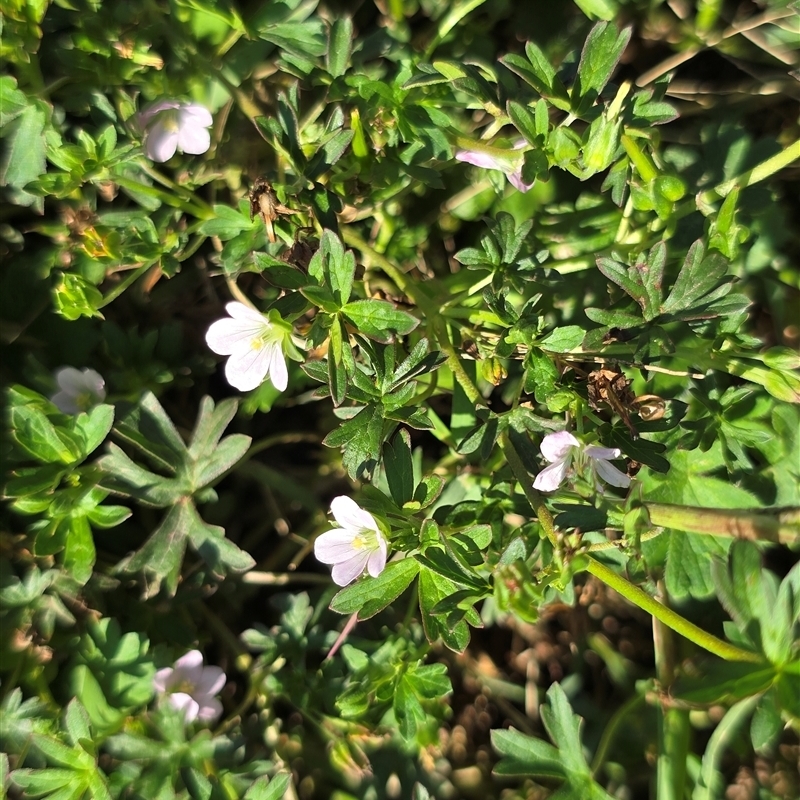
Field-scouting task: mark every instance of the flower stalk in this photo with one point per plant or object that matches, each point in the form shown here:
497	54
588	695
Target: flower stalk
622	586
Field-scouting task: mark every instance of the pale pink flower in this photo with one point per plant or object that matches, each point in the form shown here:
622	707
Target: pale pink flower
254	344
192	688
357	544
79	390
170	125
562	447
510	165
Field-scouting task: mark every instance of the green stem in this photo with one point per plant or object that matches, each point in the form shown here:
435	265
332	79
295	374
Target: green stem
754	175
129	279
611	731
666	615
707	784
426	305
673	744
776	525
673	723
622	586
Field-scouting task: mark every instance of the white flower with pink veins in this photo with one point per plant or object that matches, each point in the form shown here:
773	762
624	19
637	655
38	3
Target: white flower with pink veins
562	447
170	125
79	390
192	688
254	346
356	545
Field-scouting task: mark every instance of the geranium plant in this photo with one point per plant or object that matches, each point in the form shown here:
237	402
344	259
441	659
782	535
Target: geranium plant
402	400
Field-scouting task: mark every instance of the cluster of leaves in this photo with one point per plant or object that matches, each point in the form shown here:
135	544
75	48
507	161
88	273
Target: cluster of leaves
448	325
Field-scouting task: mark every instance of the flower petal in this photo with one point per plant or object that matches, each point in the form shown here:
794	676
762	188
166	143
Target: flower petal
70	380
189	662
351	516
377	559
276	369
515	179
95	383
193	139
334	546
162	680
480	159
154	109
225	336
65	402
247	368
160	142
211	681
210	709
241	311
555	446
346	572
196	115
610	474
593	451
550	478
186	703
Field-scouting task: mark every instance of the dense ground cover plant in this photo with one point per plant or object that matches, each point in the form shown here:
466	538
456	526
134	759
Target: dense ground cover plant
392	386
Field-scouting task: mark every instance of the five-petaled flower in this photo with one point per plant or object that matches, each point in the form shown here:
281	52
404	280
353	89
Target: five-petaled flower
509	164
255	346
170	125
192	688
562	447
357	544
79	390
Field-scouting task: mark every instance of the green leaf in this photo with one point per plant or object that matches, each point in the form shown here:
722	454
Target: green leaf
399	466
160	558
334	266
537	71
303	38
525	755
766	726
600	55
38	782
433	588
564	339
337	372
34	432
279	273
430	681
599	9
79	550
370	595
379	319
266	789
228	223
331	150
524	121
407	709
602	143
689	560
710	782
94	426
12	101
340	42
563	726
24	158
360	439
698	276
76	721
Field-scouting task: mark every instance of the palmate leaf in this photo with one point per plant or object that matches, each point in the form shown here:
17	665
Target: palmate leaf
190	470
700	290
526	755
